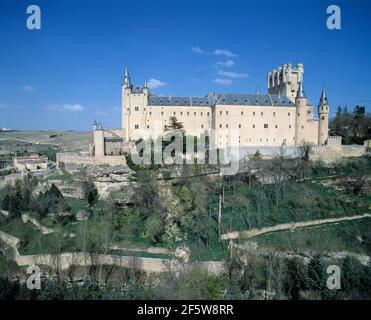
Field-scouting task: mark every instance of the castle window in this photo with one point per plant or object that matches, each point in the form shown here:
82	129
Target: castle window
322	118
260	139
265	125
253	126
136	108
162	113
302	127
239	126
226	112
221	112
261	113
220	125
274	113
226	125
289	114
194	113
202	113
298	114
174	113
181	113
241	113
136	126
147	126
253	113
290	126
208	113
276	126
202	125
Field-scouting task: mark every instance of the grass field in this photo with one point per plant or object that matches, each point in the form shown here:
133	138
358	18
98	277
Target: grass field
37	140
353	236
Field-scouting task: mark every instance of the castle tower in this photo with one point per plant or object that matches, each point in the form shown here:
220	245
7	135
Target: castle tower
301	115
134	108
99	141
285	80
323	113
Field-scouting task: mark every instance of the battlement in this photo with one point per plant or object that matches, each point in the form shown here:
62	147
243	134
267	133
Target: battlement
285	80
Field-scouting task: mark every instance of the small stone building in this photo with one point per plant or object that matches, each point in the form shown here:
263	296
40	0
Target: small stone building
31	162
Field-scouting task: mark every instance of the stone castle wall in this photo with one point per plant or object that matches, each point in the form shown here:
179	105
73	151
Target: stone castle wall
75	158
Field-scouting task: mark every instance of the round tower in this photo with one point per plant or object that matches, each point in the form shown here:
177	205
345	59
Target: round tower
323	114
99	141
301	112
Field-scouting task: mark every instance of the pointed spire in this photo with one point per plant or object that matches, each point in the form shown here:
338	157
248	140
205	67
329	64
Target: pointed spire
127	82
257	90
145	86
323	99
300	93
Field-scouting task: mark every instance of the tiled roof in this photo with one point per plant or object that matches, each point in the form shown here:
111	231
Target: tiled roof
222	99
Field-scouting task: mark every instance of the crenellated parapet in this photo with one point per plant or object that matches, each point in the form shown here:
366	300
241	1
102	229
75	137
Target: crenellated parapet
285	80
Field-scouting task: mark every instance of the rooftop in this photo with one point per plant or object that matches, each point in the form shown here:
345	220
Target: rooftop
222	99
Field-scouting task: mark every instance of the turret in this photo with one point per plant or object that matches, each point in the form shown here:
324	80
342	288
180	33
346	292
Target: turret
99	141
301	119
95	125
145	88
127	82
323	113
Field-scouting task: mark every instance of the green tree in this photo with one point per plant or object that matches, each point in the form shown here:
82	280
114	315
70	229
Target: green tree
90	192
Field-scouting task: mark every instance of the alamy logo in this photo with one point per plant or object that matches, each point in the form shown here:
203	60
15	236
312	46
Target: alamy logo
333	281
334	20
34	280
34	20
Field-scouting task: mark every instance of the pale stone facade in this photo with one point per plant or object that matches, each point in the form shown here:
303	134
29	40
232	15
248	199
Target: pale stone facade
283	116
32	162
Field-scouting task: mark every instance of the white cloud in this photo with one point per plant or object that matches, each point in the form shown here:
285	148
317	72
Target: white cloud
9	106
154	83
231	74
193	79
28	88
224	52
228	63
100	113
226	82
66	107
197	50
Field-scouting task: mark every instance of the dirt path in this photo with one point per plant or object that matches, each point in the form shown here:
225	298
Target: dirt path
288	226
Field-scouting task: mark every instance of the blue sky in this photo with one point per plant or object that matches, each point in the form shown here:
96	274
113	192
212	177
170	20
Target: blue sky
70	72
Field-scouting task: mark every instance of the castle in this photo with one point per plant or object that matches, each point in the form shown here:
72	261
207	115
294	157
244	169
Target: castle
281	117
